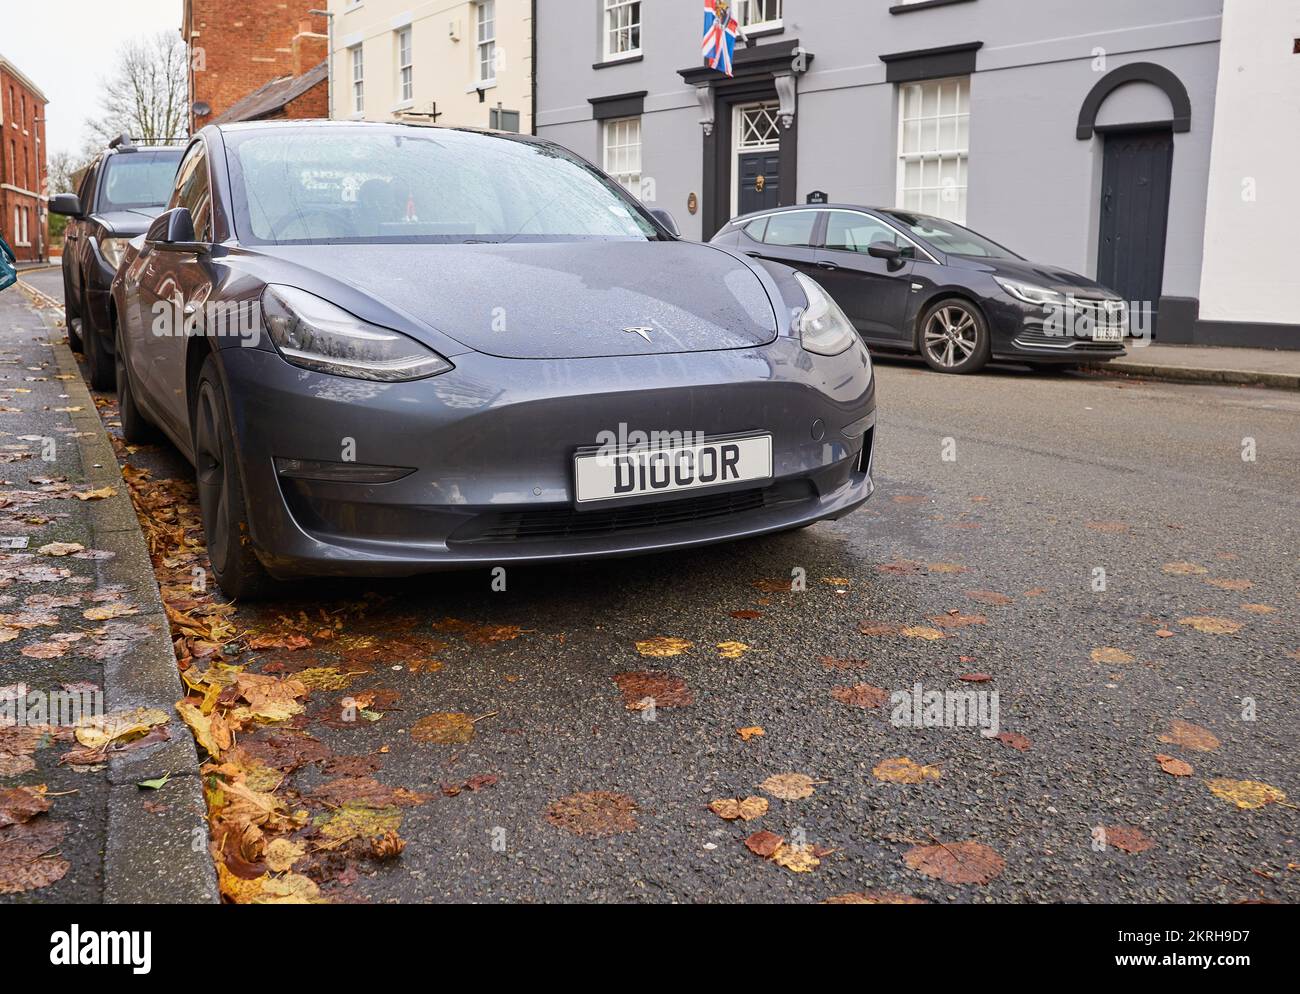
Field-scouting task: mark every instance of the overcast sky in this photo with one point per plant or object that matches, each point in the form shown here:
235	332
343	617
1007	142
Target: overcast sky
66	46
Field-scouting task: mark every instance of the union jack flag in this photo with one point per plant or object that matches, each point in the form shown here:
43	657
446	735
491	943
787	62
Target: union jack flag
720	30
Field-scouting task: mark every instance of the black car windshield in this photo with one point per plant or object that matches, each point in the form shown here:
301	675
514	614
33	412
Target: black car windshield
310	185
138	179
948	237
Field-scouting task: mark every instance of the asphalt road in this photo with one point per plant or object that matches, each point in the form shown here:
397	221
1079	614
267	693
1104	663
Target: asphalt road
1009	483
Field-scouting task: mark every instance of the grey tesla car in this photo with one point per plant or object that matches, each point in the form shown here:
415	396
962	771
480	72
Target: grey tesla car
390	349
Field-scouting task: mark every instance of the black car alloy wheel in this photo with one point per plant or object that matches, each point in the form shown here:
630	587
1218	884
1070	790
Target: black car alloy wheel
221	494
954	337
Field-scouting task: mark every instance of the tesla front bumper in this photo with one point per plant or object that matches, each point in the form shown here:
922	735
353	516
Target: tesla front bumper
479	460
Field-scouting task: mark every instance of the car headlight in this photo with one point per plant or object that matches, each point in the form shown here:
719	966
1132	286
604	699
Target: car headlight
823	327
313	333
112	250
1038	295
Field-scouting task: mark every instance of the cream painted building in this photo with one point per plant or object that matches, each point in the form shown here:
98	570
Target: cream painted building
467	64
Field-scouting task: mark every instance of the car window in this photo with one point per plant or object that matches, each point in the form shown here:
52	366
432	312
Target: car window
756	229
411	184
794	229
85	190
950	237
847	232
192	191
137	179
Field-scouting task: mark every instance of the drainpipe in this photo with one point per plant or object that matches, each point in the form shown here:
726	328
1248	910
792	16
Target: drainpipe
329	59
533	115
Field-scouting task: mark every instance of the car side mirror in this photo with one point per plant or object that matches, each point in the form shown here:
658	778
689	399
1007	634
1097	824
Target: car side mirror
888	251
67	204
173	231
667	220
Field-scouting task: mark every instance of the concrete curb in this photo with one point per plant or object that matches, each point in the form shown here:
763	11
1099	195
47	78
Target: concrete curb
148	858
1199	374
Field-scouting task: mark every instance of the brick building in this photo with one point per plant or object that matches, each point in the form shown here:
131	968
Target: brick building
254	59
22	164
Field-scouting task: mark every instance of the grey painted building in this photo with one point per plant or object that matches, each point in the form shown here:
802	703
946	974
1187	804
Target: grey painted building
1077	133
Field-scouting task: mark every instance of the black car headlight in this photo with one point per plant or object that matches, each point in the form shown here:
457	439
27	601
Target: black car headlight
313	333
823	327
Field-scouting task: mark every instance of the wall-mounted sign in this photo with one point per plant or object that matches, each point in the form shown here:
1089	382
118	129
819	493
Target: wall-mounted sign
818	197
693	204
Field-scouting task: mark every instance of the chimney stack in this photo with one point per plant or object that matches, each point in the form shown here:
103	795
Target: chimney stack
309	47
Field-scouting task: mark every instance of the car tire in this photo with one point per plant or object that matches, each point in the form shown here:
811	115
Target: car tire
136	428
99	364
955	337
235	565
72	319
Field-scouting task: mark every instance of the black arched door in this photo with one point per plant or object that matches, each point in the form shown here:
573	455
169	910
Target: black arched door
1136	171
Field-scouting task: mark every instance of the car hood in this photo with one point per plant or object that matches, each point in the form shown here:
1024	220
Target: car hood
1050	277
129	223
568	300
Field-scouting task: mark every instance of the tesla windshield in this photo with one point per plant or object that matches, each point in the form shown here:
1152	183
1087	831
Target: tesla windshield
307	185
949	237
139	179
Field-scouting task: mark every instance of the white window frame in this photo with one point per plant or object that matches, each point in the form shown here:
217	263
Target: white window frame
485	43
27	235
617	135
938	155
745	10
18	225
357	63
615	27
405	67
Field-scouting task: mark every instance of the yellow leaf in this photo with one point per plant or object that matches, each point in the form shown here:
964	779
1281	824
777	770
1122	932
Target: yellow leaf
444	728
324	678
99	494
1184	569
796	858
292	888
903	770
99	731
1212	626
923	632
732	650
750	732
789	786
1109	654
746	809
662	646
353	821
1246	794
281	854
106	612
212	732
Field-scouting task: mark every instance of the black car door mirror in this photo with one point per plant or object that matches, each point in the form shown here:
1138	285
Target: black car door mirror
67	204
667	220
888	251
173	231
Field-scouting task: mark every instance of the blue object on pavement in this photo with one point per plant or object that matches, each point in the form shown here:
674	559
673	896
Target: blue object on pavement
8	266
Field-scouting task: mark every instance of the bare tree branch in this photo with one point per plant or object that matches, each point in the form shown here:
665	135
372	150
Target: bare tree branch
145	96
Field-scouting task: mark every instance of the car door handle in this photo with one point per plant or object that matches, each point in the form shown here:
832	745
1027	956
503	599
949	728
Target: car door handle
829	266
754	255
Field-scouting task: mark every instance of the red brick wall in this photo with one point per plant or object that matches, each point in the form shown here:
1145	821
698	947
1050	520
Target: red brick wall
22	165
244	44
313	103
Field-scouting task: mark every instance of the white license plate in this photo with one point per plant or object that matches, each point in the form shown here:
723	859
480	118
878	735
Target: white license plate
1104	333
638	472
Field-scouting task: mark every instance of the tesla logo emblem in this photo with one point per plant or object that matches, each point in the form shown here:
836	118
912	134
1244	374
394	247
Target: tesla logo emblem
760	184
643	332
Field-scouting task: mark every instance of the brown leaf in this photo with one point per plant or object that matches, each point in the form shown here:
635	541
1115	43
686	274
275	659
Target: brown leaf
874	897
966	862
988	597
645	687
443	728
879	628
789	786
747	615
1182	568
596	813
26	858
1126	839
1188	736
20	804
764	844
975	677
745	809
387	846
1212	626
1174	767
900	567
1229	584
1109	654
862	695
1013	739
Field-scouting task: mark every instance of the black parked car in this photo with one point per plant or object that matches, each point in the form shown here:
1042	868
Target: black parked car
119	193
917	283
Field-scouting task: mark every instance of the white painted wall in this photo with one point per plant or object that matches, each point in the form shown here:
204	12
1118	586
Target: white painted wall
1251	267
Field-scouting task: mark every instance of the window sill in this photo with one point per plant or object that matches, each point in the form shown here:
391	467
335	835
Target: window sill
765	30
907	8
357	115
620	60
404	105
483	84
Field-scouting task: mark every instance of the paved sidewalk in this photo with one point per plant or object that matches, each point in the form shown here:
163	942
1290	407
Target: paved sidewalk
80	614
1276	368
